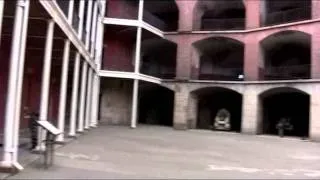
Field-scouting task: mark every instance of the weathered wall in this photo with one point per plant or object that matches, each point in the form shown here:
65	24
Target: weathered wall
116	100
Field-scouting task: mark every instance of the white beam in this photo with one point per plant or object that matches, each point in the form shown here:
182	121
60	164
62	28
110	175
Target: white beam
89	101
121	22
63	90
88	24
70	11
134	107
81	14
22	54
118	74
12	87
1	16
82	96
74	98
45	88
94	29
96	99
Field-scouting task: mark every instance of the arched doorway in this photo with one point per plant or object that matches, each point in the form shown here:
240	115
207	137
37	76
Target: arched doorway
159	58
219	15
284	11
155	105
220	58
286	55
212	102
285	103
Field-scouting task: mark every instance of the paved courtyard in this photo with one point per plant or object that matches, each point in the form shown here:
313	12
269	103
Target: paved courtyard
160	152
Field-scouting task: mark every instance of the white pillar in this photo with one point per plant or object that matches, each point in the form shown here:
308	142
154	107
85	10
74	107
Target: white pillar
70	11
94	28
88	24
45	88
1	16
8	149
134	103
74	98
82	96
63	90
96	99
81	13
89	100
23	43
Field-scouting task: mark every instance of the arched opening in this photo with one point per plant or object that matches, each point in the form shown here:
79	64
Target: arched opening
219	15
285	105
155	105
219	109
163	14
286	56
220	59
285	11
159	58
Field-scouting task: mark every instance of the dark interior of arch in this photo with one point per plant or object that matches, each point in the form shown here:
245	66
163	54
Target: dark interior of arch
285	11
220	59
292	105
163	14
155	105
159	58
223	15
287	56
210	101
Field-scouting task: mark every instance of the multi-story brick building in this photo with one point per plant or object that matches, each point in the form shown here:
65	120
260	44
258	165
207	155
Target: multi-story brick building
177	63
166	62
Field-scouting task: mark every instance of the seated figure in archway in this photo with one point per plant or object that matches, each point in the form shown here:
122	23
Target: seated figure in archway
222	120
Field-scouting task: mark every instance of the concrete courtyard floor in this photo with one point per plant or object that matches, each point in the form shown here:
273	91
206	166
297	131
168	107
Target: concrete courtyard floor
160	152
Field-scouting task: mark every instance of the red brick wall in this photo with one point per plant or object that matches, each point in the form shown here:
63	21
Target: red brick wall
118	53
186	8
252	13
121	9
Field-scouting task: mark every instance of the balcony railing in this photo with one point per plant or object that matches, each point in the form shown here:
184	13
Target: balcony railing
223	24
223	74
287	16
287	72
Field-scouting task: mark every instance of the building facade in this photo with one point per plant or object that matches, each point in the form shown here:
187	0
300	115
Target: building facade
178	63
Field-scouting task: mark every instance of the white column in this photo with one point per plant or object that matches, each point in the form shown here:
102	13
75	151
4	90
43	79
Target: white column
45	88
82	96
88	24
23	41
89	100
81	13
63	90
8	149
96	99
94	28
74	98
70	11
134	103
1	16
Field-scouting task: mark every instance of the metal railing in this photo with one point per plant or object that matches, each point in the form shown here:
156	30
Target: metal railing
290	15
225	74
223	24
287	72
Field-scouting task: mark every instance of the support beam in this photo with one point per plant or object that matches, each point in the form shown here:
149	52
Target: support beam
94	29
74	98
134	110
89	100
45	88
8	149
82	96
19	88
70	11
251	112
96	99
88	25
81	13
1	17
63	90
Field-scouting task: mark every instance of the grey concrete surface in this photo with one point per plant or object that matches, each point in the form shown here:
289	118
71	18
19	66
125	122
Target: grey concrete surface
160	152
